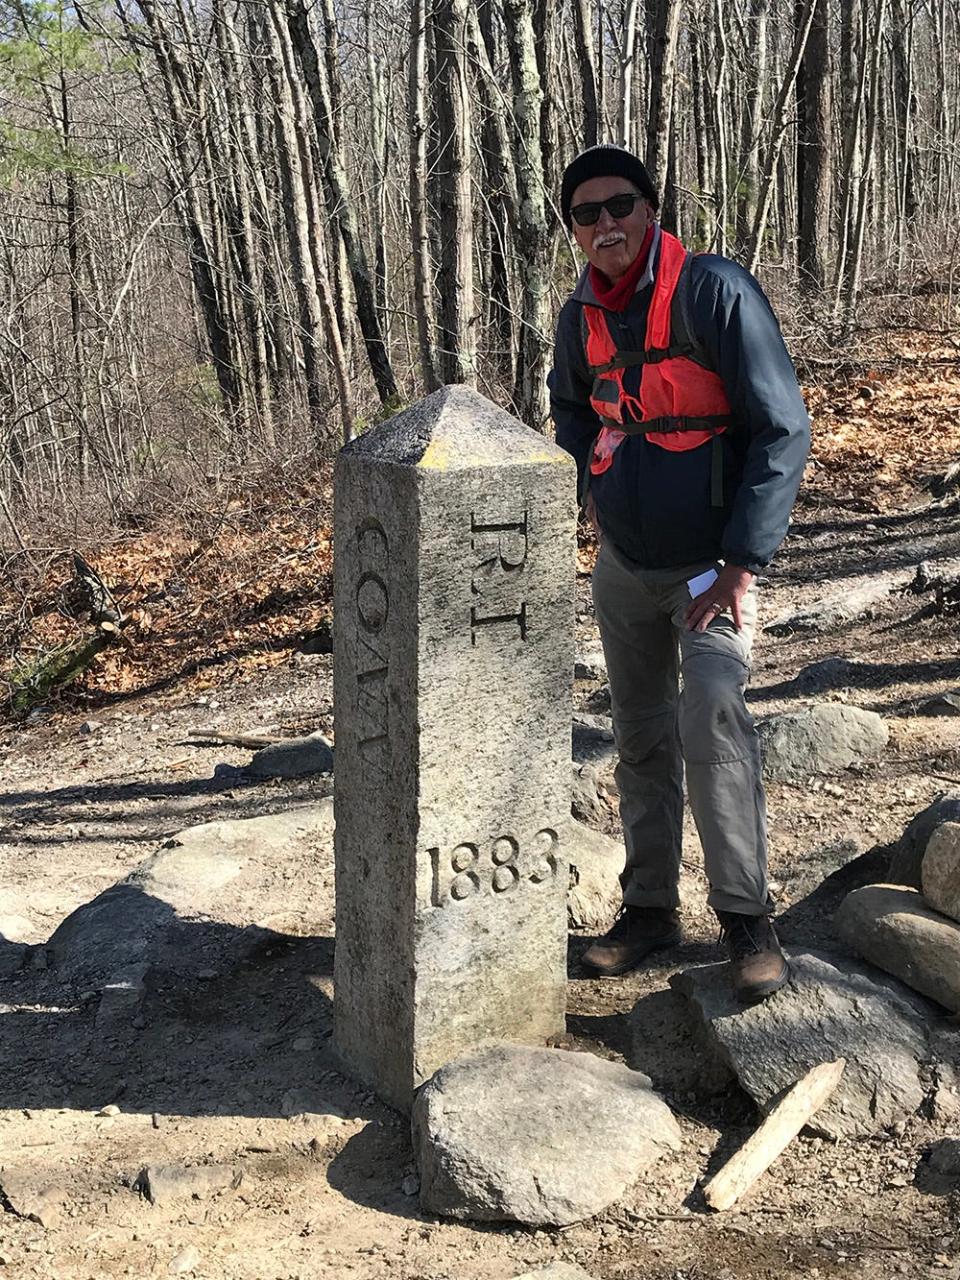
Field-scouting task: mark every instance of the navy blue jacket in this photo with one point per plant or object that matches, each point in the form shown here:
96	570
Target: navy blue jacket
655	505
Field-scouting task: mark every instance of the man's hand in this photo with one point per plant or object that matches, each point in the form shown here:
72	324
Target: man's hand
726	593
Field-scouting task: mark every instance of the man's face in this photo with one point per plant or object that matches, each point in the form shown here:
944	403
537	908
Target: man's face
611	244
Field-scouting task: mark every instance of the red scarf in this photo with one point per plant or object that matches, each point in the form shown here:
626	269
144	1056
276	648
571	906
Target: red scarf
616	297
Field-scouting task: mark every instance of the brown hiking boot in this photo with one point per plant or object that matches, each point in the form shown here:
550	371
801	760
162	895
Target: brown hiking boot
757	965
634	934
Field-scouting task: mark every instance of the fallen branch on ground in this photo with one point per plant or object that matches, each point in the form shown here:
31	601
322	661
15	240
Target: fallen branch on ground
781	1126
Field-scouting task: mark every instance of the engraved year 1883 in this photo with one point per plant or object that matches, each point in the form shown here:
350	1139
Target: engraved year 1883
493	869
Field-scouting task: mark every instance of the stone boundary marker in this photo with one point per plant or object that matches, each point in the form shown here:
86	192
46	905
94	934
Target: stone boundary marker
453	653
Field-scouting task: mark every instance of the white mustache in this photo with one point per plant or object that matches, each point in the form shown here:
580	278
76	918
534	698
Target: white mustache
607	239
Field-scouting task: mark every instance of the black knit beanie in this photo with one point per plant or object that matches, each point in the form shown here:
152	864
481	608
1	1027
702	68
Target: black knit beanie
605	162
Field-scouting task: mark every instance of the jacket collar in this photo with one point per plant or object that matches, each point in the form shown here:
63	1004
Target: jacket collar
584	290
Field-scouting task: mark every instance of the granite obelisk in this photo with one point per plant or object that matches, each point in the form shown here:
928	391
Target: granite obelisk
453	644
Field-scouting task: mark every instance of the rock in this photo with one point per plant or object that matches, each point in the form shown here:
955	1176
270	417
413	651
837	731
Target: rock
186	1261
539	1136
940	870
454	591
593	741
822	739
304	1101
830	673
91	726
13	957
122	996
595	865
894	929
410	1185
907	861
109	1111
219	873
163	1183
826	615
944	1157
590	666
832	1007
585	800
294	758
30	1197
944	704
556	1271
599	700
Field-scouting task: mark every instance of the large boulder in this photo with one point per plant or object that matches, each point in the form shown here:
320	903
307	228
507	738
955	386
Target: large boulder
595	865
907	861
823	739
538	1136
293	758
190	904
940	870
894	929
831	1008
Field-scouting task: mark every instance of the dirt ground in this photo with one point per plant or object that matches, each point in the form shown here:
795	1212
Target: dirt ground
207	1078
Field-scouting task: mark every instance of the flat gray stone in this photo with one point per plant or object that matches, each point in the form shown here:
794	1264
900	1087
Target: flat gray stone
595	865
940	871
894	929
832	1007
831	673
30	1195
454	587
538	1136
165	1183
823	739
944	704
585	801
944	1157
294	758
907	861
166	912
834	611
590	666
593	740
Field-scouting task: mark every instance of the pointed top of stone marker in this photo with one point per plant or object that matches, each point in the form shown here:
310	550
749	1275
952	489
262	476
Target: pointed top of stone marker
454	429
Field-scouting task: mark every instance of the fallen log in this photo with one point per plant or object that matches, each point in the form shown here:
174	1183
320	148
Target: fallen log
803	1100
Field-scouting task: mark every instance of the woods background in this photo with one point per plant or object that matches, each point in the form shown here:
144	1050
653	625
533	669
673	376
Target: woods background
233	233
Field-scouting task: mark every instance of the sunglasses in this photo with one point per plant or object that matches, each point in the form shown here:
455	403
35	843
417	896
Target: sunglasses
619	206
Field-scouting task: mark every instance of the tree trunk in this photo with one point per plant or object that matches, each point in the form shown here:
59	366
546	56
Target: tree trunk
458	330
814	150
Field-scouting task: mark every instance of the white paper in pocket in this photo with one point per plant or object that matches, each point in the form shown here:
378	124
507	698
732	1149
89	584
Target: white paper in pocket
696	586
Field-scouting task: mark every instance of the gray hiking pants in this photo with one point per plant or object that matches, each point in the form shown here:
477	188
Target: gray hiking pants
659	727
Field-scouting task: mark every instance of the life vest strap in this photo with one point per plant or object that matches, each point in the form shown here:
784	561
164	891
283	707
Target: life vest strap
658	425
632	359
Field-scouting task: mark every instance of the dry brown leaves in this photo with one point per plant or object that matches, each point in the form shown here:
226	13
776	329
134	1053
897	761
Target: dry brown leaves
881	435
231	591
223	599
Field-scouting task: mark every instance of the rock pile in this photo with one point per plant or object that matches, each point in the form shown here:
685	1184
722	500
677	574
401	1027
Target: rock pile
914	933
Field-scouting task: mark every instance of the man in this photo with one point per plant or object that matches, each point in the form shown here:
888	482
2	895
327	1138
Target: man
674	392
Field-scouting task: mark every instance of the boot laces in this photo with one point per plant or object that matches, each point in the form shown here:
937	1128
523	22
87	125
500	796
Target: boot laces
745	935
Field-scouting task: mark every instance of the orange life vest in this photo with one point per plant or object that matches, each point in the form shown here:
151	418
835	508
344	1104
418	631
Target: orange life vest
674	401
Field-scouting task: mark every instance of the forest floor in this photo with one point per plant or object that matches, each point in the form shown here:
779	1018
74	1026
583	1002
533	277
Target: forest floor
231	632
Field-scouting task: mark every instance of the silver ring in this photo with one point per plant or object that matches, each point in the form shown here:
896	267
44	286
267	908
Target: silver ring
717	608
